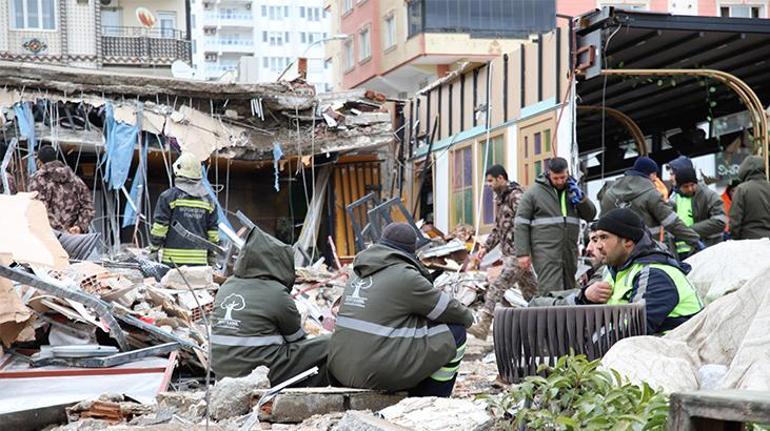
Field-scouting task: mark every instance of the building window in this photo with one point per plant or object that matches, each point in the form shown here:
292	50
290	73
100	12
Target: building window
461	191
277	38
302	37
33	14
389	38
494	151
364	44
625	5
536	152
349	59
347	6
264	10
265	62
302	11
742	11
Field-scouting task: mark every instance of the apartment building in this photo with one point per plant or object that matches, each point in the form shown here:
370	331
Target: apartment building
397	47
258	39
118	34
722	8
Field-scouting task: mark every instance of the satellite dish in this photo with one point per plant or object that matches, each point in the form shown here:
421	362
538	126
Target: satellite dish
145	17
180	69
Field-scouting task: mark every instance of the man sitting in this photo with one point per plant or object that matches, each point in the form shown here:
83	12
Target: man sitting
394	330
256	322
638	269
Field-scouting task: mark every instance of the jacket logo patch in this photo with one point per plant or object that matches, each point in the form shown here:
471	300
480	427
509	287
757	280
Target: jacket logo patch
233	302
355	300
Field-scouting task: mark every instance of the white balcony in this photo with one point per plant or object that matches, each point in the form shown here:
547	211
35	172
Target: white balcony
229	19
222	45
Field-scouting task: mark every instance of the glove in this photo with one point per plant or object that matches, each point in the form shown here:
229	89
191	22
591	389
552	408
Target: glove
576	194
701	245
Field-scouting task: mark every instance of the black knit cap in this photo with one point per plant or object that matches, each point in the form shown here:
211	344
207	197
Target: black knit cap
622	222
400	236
686	175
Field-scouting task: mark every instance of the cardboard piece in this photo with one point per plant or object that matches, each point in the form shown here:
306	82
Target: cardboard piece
14	316
25	234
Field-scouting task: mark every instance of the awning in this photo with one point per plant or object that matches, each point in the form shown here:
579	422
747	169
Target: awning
641	40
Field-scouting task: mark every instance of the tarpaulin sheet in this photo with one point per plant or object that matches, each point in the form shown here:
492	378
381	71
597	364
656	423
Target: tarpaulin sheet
121	139
26	122
129	214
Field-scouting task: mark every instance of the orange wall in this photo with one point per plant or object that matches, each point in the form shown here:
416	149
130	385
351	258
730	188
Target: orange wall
366	13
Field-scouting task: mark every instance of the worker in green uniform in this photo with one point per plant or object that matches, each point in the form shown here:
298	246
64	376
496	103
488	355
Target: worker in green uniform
700	208
256	322
394	330
189	204
750	208
641	270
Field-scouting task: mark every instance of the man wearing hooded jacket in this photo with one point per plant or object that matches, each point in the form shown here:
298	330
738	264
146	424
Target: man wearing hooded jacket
256	322
394	330
640	270
750	209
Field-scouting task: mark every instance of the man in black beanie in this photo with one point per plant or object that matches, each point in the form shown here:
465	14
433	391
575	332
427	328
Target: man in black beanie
639	269
700	208
394	330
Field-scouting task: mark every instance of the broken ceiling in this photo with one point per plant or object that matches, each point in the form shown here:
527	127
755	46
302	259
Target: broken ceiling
240	121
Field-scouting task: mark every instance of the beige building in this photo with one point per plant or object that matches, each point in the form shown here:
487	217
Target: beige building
96	33
397	47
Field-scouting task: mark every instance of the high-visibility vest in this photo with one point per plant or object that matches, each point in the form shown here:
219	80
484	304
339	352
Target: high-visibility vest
622	285
684	211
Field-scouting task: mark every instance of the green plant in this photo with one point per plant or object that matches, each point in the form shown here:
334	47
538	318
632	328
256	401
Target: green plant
577	395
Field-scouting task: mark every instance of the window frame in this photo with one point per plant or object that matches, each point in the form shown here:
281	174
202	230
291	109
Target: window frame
728	4
347	7
365	30
469	145
527	159
25	16
503	136
389	31
349	55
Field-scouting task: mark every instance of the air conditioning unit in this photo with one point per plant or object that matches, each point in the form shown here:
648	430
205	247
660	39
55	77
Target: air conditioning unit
109	3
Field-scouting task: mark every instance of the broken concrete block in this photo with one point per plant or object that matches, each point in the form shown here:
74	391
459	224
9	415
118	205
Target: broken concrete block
295	405
186	404
432	413
364	421
199	277
231	396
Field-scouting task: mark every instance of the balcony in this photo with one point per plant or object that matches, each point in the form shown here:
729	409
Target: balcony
224	44
229	19
142	46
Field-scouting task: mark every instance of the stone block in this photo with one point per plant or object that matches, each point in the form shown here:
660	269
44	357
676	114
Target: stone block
365	421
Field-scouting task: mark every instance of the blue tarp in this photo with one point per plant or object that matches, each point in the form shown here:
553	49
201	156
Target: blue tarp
277	154
26	122
121	140
220	213
129	215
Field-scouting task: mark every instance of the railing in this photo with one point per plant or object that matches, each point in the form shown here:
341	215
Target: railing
224	43
232	16
139	45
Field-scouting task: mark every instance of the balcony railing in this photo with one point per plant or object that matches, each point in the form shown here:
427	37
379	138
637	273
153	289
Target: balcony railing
139	45
229	16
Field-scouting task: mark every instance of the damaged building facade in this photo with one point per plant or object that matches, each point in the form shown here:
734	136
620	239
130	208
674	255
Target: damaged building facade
272	151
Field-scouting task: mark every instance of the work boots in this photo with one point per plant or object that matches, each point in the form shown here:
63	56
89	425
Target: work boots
480	329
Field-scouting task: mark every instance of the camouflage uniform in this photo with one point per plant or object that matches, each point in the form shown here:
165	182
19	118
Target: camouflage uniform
506	204
65	195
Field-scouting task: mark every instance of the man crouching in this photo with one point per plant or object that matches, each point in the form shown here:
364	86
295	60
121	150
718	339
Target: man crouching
394	330
256	321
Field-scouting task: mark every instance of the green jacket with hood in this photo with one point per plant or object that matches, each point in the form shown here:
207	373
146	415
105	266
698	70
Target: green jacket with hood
391	330
255	320
750	211
637	192
708	212
549	236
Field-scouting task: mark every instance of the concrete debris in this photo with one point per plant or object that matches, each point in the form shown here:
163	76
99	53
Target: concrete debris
363	421
295	405
198	277
231	396
446	414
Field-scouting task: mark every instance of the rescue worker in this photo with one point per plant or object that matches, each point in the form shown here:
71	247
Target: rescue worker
548	225
256	322
675	166
750	210
188	203
507	196
394	330
640	270
636	191
700	208
65	195
727	199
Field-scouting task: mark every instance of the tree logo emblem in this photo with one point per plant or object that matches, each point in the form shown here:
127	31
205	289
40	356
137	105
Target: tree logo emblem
232	302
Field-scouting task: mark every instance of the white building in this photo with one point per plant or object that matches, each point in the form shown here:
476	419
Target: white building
267	34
